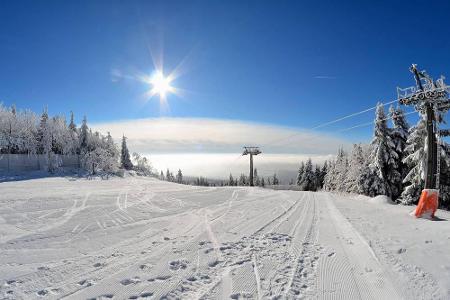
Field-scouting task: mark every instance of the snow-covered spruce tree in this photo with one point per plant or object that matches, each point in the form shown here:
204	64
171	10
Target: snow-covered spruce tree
256	178
356	164
242	180
169	176
28	132
74	138
340	171
161	175
444	186
16	134
307	182
111	147
179	176
84	132
275	180
317	177
399	135
334	179
329	178
12	130
301	170
231	180
72	125
262	182
383	157
416	161
61	139
321	175
44	134
125	161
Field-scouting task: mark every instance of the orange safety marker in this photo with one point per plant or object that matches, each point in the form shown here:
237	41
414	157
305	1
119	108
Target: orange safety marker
428	204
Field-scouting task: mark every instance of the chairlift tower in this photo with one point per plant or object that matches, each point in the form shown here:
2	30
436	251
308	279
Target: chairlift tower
251	151
428	97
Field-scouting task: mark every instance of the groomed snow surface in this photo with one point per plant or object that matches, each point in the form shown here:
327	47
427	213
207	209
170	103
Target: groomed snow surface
138	238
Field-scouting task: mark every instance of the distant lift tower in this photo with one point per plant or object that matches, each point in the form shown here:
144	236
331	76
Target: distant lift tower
252	151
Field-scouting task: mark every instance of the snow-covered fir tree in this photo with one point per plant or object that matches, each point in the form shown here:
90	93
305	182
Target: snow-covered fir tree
169	176
301	170
125	161
72	125
84	131
444	187
242	180
179	176
231	180
321	177
256	179
356	164
416	161
399	136
317	177
307	181
275	180
336	172
383	157
329	178
44	134
341	167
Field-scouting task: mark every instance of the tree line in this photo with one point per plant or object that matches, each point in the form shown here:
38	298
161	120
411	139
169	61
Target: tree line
25	132
393	164
242	180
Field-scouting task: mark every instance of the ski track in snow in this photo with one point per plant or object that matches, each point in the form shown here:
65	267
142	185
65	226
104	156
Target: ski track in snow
138	238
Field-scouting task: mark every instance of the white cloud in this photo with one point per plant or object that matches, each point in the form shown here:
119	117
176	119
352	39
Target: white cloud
206	146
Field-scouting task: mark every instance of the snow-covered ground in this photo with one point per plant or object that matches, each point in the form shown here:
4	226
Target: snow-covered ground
142	238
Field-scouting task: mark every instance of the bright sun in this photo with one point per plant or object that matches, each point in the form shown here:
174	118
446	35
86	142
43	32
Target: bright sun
161	85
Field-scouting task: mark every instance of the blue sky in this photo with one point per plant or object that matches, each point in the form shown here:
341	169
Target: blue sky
288	63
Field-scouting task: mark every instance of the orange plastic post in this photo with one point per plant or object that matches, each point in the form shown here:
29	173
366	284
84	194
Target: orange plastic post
428	203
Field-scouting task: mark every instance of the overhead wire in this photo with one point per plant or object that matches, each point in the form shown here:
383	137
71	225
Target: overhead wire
371	123
329	123
352	115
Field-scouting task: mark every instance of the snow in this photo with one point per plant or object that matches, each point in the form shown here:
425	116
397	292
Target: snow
136	237
380	199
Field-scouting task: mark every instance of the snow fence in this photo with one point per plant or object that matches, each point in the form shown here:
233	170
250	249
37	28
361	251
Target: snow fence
24	162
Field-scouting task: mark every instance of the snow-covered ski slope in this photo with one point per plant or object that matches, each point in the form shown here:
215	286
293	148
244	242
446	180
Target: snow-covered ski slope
139	238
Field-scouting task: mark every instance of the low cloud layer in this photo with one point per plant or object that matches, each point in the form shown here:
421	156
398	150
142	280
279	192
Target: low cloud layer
210	147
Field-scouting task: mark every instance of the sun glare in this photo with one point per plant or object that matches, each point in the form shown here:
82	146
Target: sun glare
161	85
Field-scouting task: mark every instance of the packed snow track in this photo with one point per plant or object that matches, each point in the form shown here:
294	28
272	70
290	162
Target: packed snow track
137	238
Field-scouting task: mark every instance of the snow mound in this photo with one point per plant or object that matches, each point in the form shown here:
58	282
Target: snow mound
381	199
